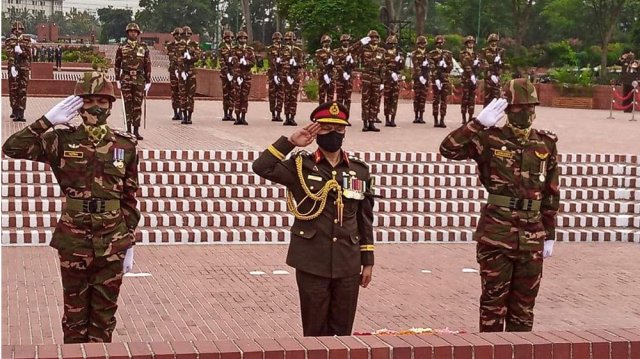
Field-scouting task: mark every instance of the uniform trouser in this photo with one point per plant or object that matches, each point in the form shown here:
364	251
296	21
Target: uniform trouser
328	305
419	95
343	92
241	101
510	283
491	89
468	100
91	286
391	91
58	62
18	89
440	98
175	89
133	94
326	90
370	97
276	94
227	91
13	89
291	96
187	91
626	89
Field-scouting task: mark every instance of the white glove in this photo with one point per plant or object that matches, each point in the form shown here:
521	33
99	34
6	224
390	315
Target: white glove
476	62
423	80
230	60
494	78
293	62
184	75
349	59
290	80
438	84
394	76
230	77
14	71
326	78
330	61
17	49
381	87
425	63
548	248
497	59
473	79
443	63
278	60
398	58
365	40
346	76
491	114
118	85
243	61
65	110
127	264
176	72
187	55
239	80
147	86
276	79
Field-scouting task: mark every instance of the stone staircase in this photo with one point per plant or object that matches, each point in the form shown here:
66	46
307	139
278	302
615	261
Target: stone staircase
214	197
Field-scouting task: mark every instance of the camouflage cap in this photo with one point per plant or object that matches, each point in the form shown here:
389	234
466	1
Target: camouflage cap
493	37
242	34
373	33
421	40
345	37
289	35
132	26
392	39
17	25
469	39
176	31
439	38
227	34
325	38
94	84
187	30
520	92
276	35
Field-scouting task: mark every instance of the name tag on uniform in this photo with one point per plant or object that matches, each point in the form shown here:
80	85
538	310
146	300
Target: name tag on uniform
502	153
73	154
315	178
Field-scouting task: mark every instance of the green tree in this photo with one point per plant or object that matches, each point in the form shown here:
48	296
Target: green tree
80	22
164	16
114	22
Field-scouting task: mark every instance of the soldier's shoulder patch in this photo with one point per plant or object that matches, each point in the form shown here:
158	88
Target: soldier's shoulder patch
126	135
359	160
548	134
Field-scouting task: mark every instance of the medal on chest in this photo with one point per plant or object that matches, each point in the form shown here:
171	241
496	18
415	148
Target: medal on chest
118	158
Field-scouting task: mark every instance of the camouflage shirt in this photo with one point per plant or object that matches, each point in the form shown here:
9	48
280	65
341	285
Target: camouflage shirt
322	57
492	67
372	58
194	51
171	48
391	64
417	59
273	53
340	55
225	51
240	51
439	69
108	171
469	61
292	52
23	60
132	59
508	167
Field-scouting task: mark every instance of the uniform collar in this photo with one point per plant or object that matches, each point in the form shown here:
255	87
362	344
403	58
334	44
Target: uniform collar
318	156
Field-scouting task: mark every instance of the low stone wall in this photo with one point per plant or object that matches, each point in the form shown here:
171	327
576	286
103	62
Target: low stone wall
209	84
58	88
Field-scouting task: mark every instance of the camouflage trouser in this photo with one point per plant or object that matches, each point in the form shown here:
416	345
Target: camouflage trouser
440	98
227	92
343	92
241	100
133	94
510	283
419	95
18	89
491	89
468	100
291	96
370	96
276	94
91	286
325	90
187	91
391	91
175	89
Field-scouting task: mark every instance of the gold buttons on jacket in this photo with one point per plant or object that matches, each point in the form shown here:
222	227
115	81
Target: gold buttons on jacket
335	239
301	233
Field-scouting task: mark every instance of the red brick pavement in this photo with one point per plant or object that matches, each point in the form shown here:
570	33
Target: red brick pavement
206	292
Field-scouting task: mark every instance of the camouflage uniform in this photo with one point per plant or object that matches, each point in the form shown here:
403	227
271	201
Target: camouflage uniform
133	70
325	64
627	76
171	48
185	66
519	170
470	65
394	65
421	69
441	65
290	72
493	60
99	217
225	56
242	72
344	66
22	63
372	58
276	89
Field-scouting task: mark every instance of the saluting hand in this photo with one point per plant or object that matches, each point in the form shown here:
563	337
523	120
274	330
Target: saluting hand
365	277
305	136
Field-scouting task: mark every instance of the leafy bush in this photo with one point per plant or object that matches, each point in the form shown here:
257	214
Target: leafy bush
311	89
571	81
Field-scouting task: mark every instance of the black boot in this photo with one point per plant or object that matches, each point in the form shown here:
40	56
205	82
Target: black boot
273	116
470	115
387	123
13	113
185	118
377	120
20	116
189	113
421	117
372	127
244	121
176	116
441	124
417	119
238	120
365	126
129	127
136	133
292	121
435	121
464	118
393	122
278	117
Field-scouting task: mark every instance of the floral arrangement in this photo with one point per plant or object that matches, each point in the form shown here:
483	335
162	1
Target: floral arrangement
410	331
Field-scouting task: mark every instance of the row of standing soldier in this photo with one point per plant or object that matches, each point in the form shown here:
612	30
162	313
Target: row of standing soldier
183	54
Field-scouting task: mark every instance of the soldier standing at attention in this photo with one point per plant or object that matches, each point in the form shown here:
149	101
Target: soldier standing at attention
627	76
18	50
133	76
189	51
394	65
293	61
344	65
332	236
421	71
492	60
97	169
518	167
274	75
442	63
372	58
325	64
244	59
470	65
171	48
225	56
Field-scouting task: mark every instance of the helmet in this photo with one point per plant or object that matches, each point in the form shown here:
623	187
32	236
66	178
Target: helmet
373	33
421	40
439	38
289	35
276	35
227	34
345	37
17	25
94	84
520	92
242	34
392	39
493	37
133	26
176	31
187	30
469	39
325	38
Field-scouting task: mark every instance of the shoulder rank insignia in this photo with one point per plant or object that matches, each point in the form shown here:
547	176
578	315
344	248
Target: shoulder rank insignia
543	156
74	146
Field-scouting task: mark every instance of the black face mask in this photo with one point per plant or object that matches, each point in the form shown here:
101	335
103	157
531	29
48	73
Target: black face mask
330	142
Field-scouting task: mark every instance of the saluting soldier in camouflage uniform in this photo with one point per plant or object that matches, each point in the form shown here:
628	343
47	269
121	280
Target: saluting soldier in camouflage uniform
18	50
188	54
492	61
421	76
518	166
332	235
441	64
225	54
372	58
97	170
325	64
243	59
345	63
293	61
394	66
133	76
470	65
274	73
174	75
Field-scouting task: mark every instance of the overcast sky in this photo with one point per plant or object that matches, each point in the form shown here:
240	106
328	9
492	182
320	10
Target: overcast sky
93	5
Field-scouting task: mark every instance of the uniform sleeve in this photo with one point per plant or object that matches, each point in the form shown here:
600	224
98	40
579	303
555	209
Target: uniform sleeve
272	164
129	202
32	143
147	66
551	199
251	58
8	48
464	142
117	66
365	229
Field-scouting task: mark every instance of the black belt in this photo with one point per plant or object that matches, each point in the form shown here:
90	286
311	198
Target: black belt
93	205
